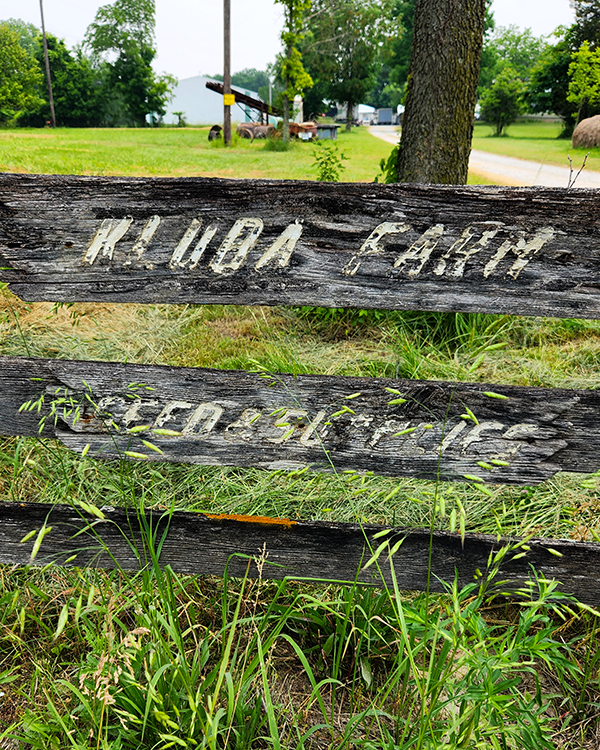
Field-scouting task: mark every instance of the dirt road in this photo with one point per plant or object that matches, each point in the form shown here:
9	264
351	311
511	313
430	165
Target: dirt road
504	170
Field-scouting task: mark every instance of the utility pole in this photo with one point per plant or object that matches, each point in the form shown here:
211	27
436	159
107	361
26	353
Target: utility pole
227	96
48	79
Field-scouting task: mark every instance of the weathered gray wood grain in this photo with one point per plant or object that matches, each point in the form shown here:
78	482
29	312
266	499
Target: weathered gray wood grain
196	543
529	251
225	417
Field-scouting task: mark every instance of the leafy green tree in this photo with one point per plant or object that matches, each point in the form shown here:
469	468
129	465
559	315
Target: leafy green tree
20	77
548	86
587	23
141	90
394	58
516	48
126	29
78	88
392	69
251	79
502	102
27	33
342	47
293	73
584	72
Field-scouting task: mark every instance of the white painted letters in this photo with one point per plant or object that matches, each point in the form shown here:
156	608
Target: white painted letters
202	421
105	239
421	249
144	238
438	250
240	240
372	245
281	250
177	259
461	254
522	248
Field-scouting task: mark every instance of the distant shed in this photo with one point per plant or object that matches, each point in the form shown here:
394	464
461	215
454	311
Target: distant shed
202	106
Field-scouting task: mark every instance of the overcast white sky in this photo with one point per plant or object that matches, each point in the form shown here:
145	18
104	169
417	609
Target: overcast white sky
189	32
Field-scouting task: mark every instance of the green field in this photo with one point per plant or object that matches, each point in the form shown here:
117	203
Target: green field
178	152
175	152
537	141
96	659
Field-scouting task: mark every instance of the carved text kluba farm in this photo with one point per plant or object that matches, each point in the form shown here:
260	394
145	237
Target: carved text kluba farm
507	252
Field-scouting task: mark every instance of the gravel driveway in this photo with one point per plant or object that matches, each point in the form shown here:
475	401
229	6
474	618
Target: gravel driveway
504	170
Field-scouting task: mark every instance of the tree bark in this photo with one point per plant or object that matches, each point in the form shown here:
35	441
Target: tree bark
441	91
349	108
285	129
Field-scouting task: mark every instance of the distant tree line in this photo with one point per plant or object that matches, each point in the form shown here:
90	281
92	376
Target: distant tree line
522	73
358	51
106	81
350	51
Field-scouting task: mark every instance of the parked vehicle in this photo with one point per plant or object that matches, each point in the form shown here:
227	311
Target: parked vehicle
385	116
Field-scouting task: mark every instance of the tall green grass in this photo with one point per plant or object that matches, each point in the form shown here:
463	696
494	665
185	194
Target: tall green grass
107	659
149	660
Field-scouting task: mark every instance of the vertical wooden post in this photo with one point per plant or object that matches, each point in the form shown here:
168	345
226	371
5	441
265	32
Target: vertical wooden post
48	79
226	72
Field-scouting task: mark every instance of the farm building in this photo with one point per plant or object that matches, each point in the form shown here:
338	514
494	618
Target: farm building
202	106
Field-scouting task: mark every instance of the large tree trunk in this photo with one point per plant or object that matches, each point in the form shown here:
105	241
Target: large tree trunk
437	125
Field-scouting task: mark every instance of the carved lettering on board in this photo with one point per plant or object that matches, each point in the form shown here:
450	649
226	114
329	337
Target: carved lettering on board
321	429
487	248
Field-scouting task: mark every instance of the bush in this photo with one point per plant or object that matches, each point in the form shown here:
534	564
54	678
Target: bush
276	143
328	161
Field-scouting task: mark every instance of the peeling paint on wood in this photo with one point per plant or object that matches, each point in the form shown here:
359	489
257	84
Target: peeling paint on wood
528	251
214	417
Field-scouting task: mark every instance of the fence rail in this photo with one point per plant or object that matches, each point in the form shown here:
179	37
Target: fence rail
409	428
502	250
522	251
197	543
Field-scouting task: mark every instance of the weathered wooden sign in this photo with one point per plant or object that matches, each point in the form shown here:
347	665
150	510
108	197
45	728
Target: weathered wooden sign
197	543
406	428
529	251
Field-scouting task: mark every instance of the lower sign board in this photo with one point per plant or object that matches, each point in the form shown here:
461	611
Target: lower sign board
198	543
430	430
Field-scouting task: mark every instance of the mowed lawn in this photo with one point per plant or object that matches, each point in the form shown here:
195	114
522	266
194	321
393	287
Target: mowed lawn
176	152
186	152
180	152
536	141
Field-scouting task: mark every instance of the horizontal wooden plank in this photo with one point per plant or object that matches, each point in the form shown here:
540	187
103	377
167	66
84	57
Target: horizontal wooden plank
528	251
431	430
196	543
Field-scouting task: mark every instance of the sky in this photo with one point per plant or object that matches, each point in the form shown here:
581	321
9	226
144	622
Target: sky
189	32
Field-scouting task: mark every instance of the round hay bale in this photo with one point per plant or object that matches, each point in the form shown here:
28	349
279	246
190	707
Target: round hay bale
587	133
